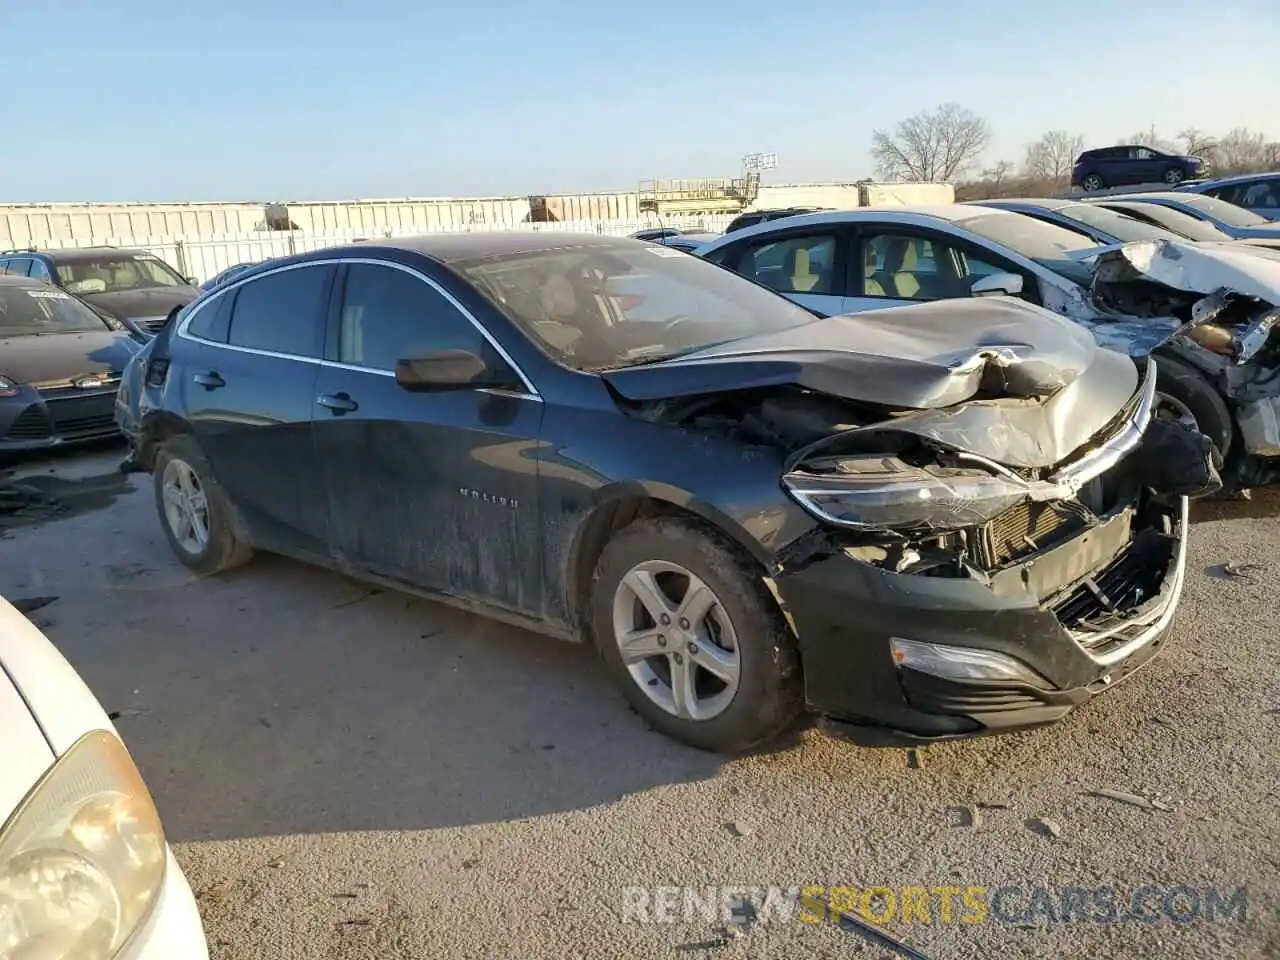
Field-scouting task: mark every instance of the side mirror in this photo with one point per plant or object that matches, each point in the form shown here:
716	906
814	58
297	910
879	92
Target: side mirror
997	284
444	370
194	281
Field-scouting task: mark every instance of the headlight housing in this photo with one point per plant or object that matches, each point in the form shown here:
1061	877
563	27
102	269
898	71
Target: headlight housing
83	858
879	492
8	386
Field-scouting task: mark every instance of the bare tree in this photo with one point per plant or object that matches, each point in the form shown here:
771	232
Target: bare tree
1242	151
1149	138
931	146
1052	156
1197	144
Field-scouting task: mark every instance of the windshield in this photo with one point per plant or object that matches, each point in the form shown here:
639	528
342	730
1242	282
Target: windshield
600	307
32	311
1183	224
1227	213
1047	244
109	274
1124	228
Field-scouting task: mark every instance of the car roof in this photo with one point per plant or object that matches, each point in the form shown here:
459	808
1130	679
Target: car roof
455	247
1234	178
916	214
1156	195
80	253
1047	203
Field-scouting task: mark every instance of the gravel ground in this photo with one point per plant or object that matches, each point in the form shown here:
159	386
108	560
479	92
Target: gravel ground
348	773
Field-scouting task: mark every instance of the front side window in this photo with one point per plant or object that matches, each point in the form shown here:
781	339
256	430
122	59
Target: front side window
908	267
31	311
113	273
40	271
603	306
389	315
793	265
282	312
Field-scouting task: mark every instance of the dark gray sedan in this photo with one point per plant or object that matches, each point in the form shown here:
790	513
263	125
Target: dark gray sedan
60	364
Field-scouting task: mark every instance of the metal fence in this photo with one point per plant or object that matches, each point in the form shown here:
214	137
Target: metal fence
203	257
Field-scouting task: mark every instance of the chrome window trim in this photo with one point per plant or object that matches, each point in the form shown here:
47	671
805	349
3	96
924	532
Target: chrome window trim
530	393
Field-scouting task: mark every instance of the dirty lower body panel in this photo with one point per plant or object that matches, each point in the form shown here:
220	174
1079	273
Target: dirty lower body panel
937	654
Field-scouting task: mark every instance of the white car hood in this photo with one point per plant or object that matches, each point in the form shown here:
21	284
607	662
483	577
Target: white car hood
57	701
24	752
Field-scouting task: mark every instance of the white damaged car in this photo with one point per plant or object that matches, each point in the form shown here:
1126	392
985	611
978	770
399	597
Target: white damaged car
1208	313
85	871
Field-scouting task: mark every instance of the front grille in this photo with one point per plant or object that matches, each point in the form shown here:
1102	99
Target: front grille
1130	580
32	424
1024	529
79	417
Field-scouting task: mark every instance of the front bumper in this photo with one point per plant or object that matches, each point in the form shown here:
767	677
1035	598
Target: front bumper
172	931
38	420
846	611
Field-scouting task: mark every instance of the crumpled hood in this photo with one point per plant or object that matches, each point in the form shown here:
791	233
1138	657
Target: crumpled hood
1046	386
1199	268
59	357
129	304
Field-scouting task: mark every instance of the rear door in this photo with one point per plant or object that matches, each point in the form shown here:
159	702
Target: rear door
247	360
807	265
438	490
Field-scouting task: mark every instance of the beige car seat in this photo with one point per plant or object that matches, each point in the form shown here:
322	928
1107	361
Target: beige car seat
798	271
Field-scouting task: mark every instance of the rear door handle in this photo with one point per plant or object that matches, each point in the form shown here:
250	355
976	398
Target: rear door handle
209	380
338	403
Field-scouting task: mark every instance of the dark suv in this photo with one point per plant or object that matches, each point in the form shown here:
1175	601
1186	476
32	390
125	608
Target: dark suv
752	217
128	285
1118	166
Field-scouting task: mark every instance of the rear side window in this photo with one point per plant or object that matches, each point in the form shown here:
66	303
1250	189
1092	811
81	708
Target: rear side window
283	312
803	264
390	315
213	320
17	267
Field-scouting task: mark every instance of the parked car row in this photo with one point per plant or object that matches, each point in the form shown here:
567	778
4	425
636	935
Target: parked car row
1205	310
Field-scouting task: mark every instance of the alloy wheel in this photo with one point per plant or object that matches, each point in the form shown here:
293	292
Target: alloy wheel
186	508
1173	176
676	640
1092	182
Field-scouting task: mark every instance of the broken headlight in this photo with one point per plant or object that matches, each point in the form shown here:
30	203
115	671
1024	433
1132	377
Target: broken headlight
880	492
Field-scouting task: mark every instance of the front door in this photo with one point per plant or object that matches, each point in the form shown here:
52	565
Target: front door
900	265
248	360
438	490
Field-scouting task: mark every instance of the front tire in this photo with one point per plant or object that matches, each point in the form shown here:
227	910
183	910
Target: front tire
1183	394
194	510
1173	176
692	638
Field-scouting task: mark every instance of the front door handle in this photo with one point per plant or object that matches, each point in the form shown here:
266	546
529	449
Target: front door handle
210	380
338	403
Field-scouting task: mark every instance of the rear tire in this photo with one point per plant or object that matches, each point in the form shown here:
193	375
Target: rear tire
1194	395
196	516
740	624
1092	182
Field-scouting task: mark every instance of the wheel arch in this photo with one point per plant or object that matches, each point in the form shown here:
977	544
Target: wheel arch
156	429
620	505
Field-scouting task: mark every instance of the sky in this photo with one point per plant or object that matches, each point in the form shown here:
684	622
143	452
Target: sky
256	100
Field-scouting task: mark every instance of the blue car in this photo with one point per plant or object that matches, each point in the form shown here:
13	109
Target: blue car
1118	166
1258	193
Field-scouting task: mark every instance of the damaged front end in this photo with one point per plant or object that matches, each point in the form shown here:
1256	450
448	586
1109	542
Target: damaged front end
998	521
1218	310
998	596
